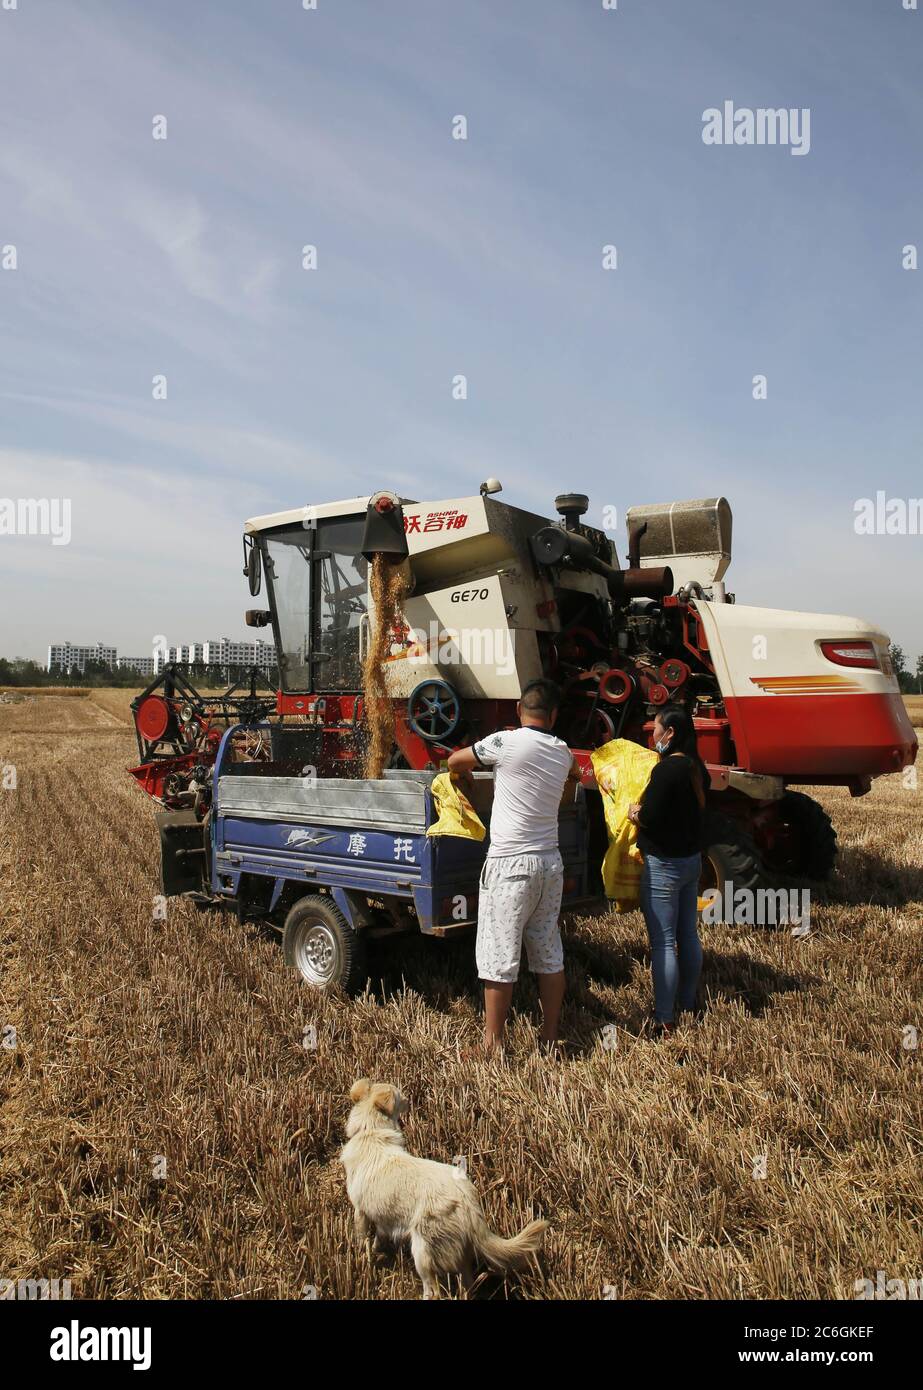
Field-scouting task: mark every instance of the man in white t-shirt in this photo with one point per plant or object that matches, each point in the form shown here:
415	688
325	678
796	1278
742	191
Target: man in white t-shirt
523	876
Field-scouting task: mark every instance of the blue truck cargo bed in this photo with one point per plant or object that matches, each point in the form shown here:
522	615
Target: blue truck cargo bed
275	839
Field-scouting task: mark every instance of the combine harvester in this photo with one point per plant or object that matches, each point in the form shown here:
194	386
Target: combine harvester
269	801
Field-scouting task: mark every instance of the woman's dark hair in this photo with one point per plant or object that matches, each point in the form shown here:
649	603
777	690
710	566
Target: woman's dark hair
680	721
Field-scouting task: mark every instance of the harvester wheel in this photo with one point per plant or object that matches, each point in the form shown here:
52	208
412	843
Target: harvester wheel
806	844
730	861
319	942
433	711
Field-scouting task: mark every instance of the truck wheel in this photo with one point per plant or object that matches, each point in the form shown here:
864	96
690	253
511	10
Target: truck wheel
804	845
730	859
319	942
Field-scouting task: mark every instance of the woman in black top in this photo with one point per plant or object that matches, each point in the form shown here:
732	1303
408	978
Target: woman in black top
670	819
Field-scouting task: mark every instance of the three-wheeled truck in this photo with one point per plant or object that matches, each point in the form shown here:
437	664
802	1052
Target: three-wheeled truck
332	861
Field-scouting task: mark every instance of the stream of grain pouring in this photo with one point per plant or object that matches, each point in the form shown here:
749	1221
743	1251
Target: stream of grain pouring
388	583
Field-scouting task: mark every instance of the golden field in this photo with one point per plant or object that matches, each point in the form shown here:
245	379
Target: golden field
179	1043
914	705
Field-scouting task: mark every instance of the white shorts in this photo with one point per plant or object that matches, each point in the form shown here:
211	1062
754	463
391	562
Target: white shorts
520	901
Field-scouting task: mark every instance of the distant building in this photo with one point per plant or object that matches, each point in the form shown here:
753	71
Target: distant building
66	657
215	653
144	665
228	653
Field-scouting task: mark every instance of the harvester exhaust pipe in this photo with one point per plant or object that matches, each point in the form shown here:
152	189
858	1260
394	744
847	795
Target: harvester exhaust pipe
643	583
384	528
634	545
556	545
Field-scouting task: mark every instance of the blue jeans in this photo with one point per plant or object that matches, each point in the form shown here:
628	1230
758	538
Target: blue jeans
669	893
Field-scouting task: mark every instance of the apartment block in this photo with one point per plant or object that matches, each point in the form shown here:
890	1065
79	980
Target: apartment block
70	656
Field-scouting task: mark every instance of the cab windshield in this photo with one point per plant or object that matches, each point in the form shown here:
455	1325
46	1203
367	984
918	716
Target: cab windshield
318	586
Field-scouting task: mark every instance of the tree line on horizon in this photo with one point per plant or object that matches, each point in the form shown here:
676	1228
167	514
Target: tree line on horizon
22	671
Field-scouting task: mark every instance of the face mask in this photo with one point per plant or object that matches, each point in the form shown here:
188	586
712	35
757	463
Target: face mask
662	746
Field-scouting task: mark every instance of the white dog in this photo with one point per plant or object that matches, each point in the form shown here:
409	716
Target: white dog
398	1197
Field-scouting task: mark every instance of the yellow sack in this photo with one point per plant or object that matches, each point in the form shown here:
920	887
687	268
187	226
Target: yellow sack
456	814
622	770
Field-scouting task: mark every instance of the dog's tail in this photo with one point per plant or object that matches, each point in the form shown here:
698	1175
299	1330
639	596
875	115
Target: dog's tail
502	1254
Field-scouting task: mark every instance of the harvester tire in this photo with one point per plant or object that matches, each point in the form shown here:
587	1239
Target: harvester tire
321	945
730	860
814	838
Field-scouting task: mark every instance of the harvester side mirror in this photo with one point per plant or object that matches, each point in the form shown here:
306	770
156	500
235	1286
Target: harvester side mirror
254	570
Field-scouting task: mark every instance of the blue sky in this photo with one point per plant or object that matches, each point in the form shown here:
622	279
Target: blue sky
436	257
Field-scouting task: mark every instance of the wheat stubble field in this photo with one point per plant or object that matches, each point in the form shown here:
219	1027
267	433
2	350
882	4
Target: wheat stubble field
181	1043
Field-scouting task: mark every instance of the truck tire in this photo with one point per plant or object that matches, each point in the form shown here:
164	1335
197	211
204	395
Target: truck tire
810	848
730	857
321	945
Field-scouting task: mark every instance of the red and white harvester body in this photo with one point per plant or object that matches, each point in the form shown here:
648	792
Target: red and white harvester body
496	596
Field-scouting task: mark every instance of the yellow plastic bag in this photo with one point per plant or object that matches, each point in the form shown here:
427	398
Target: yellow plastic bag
622	769
456	814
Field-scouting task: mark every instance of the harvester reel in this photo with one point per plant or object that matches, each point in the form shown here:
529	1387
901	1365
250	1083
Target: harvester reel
434	711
